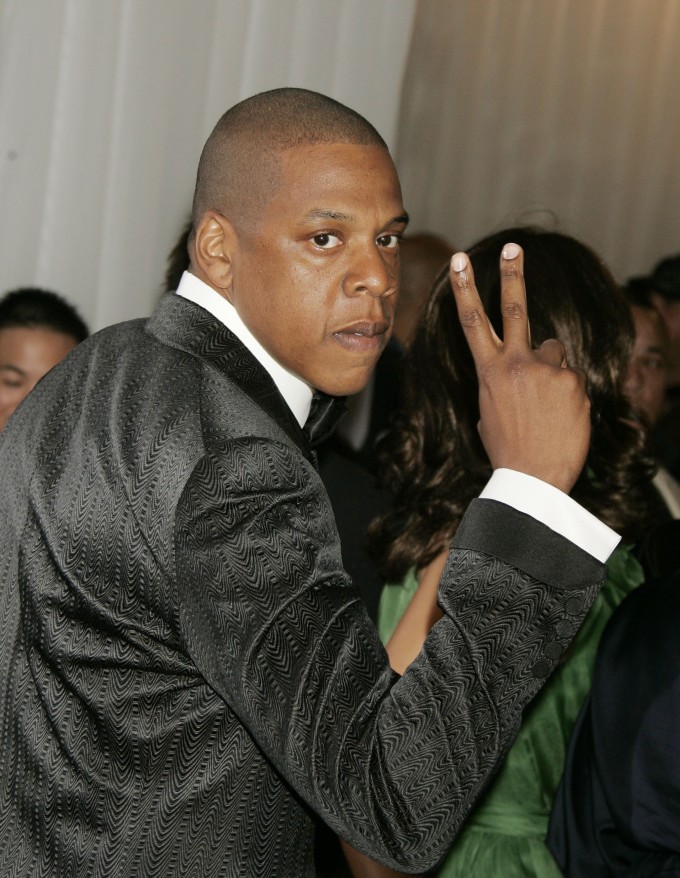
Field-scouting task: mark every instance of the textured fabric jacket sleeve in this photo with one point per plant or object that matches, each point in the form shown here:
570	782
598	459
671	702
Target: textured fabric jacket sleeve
275	627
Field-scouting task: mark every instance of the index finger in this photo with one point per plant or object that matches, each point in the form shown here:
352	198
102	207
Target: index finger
516	331
481	337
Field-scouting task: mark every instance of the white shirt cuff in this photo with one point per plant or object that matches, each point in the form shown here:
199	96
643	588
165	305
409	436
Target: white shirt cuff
553	508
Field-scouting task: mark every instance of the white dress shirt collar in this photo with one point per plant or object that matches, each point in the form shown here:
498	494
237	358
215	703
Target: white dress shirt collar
297	394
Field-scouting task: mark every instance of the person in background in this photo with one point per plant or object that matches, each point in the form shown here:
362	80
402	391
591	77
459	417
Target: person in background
37	329
435	461
646	377
617	809
645	384
664	283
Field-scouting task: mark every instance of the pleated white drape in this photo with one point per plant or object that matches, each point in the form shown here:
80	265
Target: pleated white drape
560	111
510	110
105	104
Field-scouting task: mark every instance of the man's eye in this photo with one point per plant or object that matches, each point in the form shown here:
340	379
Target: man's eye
389	241
326	241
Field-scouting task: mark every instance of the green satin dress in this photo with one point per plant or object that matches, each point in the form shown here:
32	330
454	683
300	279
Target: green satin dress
505	835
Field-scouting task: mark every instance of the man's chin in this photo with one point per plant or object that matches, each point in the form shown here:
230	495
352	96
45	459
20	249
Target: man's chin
347	385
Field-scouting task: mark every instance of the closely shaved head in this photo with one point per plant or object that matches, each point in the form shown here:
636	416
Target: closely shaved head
298	217
239	170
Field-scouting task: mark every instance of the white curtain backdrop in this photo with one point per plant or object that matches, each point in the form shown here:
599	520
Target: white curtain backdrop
510	109
534	109
105	105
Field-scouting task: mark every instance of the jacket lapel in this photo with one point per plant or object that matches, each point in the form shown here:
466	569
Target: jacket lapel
182	324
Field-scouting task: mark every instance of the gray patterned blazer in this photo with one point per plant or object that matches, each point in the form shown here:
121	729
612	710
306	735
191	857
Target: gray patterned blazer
188	673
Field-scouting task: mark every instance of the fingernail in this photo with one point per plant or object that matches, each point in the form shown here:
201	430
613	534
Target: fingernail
510	251
459	261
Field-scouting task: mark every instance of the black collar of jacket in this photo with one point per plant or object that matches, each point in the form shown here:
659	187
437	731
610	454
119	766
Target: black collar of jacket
184	325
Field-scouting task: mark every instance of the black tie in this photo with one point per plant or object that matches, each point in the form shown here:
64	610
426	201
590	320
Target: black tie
324	416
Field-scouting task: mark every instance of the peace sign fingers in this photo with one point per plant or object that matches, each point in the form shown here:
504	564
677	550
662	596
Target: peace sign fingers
534	411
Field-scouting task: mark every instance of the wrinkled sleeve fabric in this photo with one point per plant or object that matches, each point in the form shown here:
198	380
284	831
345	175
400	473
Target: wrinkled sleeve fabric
274	625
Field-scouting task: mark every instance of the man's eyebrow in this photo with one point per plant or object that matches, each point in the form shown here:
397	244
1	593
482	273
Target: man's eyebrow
321	213
8	367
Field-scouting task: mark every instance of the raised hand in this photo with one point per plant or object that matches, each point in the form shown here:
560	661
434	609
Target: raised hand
534	410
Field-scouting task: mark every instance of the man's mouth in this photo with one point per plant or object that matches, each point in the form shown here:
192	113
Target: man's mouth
363	336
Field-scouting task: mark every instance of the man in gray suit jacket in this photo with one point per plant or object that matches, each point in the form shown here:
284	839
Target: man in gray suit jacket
188	673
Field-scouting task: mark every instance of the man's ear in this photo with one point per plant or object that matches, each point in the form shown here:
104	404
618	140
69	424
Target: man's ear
213	249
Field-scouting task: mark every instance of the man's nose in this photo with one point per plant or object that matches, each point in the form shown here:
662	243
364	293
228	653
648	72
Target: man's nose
371	273
632	381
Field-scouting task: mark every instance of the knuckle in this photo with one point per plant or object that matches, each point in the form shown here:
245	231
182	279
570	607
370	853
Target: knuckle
471	318
573	377
462	281
514	310
511	270
577	384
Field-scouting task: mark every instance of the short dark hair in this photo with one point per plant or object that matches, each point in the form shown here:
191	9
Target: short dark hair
665	278
35	307
638	291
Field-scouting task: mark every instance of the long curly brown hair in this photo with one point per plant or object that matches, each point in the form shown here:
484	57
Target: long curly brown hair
433	460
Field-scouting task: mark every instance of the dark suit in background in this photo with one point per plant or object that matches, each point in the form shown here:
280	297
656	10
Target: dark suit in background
356	500
370	412
187	670
617	812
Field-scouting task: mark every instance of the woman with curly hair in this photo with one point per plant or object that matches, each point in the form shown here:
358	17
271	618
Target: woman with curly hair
435	463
